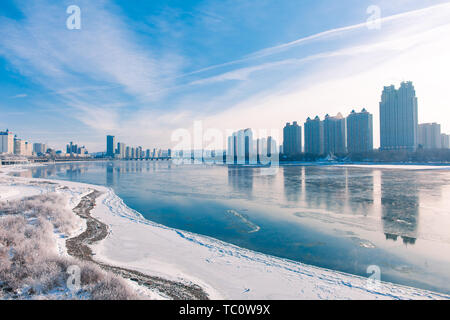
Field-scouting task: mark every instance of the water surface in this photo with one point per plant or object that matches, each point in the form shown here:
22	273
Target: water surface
341	218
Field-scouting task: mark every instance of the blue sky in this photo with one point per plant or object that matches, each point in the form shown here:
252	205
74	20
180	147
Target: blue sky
142	69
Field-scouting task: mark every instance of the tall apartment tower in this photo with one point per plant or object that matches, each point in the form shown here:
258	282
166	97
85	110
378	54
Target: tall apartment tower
22	147
110	146
360	132
445	141
292	139
39	148
265	148
429	136
6	142
398	118
334	138
314	136
241	147
120	151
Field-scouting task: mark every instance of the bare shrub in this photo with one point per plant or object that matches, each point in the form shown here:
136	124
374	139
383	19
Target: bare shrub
30	266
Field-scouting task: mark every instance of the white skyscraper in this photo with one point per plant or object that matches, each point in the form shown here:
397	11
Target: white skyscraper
359	132
334	138
430	135
445	141
241	147
314	136
39	148
22	147
6	142
398	118
292	139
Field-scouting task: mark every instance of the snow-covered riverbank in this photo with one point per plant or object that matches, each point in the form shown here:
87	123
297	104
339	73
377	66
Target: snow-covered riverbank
223	270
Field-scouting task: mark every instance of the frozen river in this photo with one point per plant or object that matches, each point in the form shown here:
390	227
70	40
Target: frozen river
341	218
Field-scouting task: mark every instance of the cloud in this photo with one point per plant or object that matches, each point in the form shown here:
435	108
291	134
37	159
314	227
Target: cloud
18	96
350	77
102	51
102	62
408	19
89	73
111	81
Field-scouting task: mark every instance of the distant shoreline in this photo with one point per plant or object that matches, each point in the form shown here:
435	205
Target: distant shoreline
281	163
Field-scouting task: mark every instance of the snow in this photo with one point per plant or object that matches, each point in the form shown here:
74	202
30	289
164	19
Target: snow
223	270
396	166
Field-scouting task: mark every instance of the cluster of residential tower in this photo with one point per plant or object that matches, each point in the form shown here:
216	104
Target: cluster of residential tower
336	135
10	144
120	150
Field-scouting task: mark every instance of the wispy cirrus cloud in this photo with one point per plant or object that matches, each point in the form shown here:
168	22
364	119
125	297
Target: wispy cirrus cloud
103	51
18	96
89	71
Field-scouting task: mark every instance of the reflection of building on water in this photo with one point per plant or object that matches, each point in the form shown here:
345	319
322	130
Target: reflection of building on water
114	170
293	179
75	170
315	186
71	170
400	205
334	188
394	237
325	187
109	174
241	179
360	190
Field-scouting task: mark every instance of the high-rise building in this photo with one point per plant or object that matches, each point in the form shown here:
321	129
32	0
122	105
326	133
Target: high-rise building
139	153
39	148
334	139
429	136
292	139
445	141
314	136
266	148
241	149
120	151
398	118
127	153
261	149
6	142
22	147
110	146
272	148
359	132
72	148
82	150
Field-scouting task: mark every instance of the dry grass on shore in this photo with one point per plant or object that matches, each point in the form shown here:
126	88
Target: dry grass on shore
30	265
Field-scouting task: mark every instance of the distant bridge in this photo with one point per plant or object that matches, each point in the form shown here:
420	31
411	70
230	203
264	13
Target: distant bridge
18	161
146	159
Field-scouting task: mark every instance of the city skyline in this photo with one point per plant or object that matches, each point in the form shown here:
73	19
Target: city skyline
399	128
280	74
